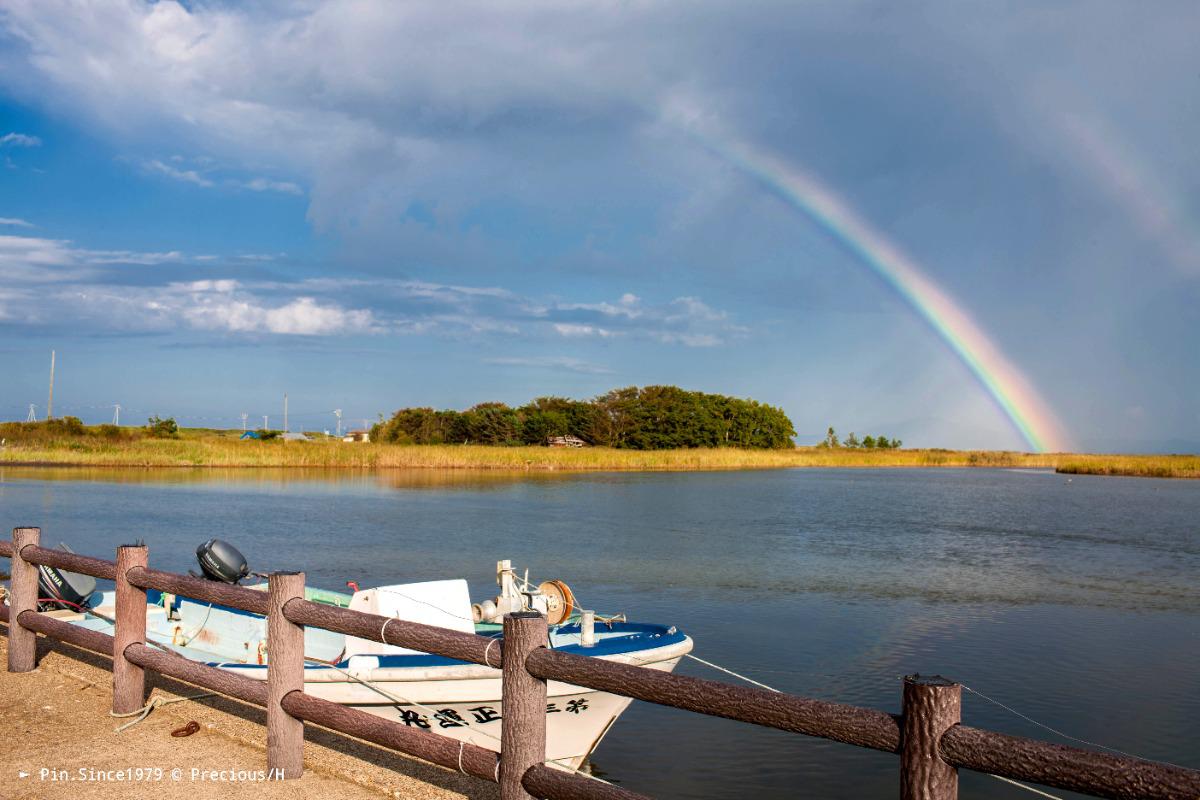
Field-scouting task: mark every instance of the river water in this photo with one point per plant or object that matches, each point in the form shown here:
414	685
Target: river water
1075	601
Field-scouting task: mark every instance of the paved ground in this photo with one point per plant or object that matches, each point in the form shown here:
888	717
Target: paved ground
55	722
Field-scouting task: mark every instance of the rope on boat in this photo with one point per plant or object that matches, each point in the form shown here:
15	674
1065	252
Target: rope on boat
154	703
730	672
203	625
399	699
395	698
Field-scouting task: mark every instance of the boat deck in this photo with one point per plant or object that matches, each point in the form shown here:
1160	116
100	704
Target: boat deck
218	635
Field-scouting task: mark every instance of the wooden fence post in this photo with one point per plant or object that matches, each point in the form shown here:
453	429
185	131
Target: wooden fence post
932	704
22	642
129	680
523	699
285	673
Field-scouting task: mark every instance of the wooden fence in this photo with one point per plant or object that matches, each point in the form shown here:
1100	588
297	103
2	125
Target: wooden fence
928	735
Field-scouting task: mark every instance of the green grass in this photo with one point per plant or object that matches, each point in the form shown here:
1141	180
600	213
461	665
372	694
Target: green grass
102	446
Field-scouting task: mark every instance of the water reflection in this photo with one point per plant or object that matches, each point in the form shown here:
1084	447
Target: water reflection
400	478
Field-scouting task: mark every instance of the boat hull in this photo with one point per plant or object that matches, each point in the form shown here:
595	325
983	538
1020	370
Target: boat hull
470	709
575	722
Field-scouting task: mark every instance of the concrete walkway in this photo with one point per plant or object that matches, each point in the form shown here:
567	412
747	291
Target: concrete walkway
54	723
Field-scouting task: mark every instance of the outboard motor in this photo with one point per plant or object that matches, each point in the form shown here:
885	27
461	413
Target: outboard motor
60	589
221	561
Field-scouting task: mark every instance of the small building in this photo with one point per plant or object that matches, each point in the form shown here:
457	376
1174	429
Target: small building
565	441
357	436
293	436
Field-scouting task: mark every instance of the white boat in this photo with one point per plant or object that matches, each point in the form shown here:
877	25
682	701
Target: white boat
452	698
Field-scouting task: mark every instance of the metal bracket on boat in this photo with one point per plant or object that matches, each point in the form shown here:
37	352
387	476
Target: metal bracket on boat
552	598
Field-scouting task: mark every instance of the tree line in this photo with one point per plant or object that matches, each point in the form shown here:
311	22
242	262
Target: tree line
869	442
647	418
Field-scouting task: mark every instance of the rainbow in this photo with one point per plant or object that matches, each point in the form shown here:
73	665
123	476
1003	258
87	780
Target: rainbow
1008	387
1131	183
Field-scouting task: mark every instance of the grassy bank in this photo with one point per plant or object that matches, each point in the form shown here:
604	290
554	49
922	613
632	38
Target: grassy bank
101	446
1175	466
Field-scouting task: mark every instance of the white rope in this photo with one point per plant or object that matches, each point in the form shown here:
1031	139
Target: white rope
1025	787
717	667
201	628
154	703
433	713
486	659
730	672
383	630
395	698
1057	732
578	771
434	606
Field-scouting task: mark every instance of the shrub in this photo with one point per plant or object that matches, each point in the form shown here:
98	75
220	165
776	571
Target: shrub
162	428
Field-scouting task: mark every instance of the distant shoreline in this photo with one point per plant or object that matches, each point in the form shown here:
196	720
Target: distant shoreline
228	452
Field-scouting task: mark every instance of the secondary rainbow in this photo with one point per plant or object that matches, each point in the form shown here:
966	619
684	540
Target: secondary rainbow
1010	389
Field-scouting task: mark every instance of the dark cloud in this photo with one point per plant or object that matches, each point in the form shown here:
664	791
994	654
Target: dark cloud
1037	161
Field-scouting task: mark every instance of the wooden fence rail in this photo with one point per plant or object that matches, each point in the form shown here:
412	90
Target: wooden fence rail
927	734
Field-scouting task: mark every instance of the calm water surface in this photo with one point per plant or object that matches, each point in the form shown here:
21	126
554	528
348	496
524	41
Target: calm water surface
1075	601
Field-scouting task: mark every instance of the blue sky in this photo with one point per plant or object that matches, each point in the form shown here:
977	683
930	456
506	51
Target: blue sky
371	205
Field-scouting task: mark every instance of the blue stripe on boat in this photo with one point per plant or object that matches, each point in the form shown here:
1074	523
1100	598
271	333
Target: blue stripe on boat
634	636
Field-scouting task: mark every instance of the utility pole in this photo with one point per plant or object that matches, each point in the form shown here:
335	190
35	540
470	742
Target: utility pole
32	416
244	415
265	428
337	412
285	425
50	403
117	414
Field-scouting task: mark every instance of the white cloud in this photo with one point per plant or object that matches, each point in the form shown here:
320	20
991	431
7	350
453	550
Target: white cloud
222	306
185	175
19	140
71	282
627	307
101	257
267	185
27	259
575	330
17	223
304	316
38	259
207	180
566	363
684	320
364	124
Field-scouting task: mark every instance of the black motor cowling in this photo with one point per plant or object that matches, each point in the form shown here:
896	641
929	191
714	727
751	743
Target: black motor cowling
60	589
221	561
